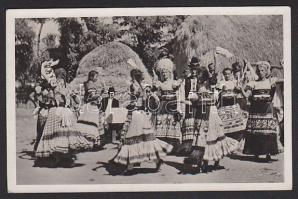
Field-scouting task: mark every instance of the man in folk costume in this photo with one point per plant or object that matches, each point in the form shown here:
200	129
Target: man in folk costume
212	74
190	85
278	103
107	104
237	71
209	142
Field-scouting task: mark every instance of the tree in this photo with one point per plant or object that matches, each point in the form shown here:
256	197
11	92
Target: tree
50	40
41	22
24	37
79	36
150	34
98	33
71	31
146	35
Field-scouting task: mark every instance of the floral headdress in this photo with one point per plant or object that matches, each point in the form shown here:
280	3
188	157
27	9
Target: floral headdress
47	72
264	64
164	64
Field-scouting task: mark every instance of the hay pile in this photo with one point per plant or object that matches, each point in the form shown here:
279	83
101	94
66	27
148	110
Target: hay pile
252	37
111	62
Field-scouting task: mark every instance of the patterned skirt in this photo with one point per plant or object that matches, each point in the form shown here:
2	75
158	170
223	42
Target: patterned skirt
140	144
189	124
209	136
59	134
261	137
168	128
90	123
233	118
41	121
167	123
188	128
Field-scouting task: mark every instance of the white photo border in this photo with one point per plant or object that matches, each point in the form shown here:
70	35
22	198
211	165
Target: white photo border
12	14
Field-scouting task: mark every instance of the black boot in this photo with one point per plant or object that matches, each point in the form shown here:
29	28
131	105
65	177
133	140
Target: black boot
256	158
198	168
204	167
158	164
216	165
268	158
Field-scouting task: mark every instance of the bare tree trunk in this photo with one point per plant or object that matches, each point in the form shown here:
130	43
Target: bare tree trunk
38	37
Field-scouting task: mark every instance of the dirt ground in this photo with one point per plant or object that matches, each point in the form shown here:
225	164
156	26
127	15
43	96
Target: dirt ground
93	167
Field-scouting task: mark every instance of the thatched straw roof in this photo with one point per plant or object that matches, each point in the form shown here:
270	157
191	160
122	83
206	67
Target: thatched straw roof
111	60
277	71
254	38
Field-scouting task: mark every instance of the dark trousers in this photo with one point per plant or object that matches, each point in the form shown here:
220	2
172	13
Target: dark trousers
113	132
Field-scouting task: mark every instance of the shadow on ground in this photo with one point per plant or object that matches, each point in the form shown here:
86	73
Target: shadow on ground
189	169
27	155
250	158
49	162
117	169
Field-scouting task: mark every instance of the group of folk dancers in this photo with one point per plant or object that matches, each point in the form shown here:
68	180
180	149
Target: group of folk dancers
200	116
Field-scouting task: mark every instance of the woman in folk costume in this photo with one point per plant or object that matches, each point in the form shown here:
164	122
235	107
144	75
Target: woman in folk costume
90	122
262	126
59	139
44	98
210	142
139	142
233	118
168	120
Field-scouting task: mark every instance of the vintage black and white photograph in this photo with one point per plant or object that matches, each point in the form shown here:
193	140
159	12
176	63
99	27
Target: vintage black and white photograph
154	99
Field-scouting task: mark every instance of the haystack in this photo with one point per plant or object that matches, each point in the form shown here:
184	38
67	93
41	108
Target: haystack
253	38
114	61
